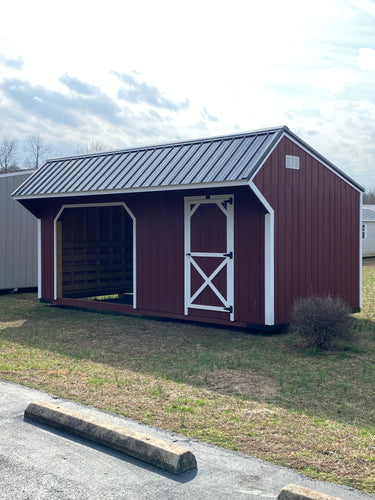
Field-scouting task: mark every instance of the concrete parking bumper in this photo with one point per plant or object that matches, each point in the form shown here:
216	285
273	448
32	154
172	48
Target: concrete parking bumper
295	492
153	451
51	463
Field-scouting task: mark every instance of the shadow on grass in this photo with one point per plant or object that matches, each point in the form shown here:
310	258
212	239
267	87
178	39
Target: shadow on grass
108	349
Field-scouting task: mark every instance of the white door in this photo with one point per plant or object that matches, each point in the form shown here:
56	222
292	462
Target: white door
209	254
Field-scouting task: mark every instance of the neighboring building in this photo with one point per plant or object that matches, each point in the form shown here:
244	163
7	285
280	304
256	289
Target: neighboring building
18	237
227	230
368	231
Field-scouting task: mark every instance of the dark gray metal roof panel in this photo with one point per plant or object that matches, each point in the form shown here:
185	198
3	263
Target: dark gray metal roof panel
232	158
119	170
190	162
158	175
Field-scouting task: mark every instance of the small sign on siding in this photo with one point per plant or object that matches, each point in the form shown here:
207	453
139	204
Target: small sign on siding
292	162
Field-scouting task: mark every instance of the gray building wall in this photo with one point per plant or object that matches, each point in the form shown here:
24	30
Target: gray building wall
18	237
368	243
368	230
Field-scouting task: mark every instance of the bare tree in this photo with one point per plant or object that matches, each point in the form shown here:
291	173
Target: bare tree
38	151
369	197
93	147
8	155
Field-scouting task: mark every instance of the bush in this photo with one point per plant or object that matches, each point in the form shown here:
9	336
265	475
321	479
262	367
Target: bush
319	321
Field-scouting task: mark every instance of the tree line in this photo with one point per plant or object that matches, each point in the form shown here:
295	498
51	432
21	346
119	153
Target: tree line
35	152
369	197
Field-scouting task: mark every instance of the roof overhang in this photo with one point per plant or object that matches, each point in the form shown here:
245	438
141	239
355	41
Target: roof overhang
149	189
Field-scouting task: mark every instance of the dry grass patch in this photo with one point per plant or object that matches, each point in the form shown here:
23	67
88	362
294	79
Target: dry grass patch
245	383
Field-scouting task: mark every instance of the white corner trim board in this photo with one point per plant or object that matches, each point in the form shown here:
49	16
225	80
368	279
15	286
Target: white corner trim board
269	257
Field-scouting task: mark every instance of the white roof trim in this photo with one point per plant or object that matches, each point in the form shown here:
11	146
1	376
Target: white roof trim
203	185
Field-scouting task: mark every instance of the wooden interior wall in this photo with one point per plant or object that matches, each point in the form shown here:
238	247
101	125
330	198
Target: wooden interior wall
97	251
316	229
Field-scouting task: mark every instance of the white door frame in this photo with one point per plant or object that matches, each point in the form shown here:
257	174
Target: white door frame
225	204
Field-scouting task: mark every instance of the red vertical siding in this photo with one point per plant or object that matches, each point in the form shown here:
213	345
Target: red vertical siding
160	255
316	229
160	252
47	252
249	258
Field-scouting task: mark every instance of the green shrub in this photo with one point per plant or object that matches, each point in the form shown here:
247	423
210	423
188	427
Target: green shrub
318	321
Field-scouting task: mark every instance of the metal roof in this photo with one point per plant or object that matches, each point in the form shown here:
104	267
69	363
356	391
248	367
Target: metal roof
213	160
232	158
368	215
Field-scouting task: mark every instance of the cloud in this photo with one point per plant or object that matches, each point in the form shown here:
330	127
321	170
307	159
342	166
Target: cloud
344	132
334	79
136	93
10	62
366	5
77	86
61	108
39	101
366	59
207	116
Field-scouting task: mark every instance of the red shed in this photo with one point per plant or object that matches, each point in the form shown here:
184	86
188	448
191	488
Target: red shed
227	230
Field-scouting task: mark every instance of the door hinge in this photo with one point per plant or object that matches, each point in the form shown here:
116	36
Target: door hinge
229	309
229	254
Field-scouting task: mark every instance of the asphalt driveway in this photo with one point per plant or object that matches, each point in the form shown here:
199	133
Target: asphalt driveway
37	462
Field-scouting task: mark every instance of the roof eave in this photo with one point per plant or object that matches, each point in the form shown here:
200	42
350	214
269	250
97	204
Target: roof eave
140	189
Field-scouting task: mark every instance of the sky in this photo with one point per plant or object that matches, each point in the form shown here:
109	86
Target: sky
133	73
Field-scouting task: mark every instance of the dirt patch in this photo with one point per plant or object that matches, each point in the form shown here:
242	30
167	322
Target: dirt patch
248	384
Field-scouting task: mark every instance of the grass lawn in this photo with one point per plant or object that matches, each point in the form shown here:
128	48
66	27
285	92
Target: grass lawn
258	394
